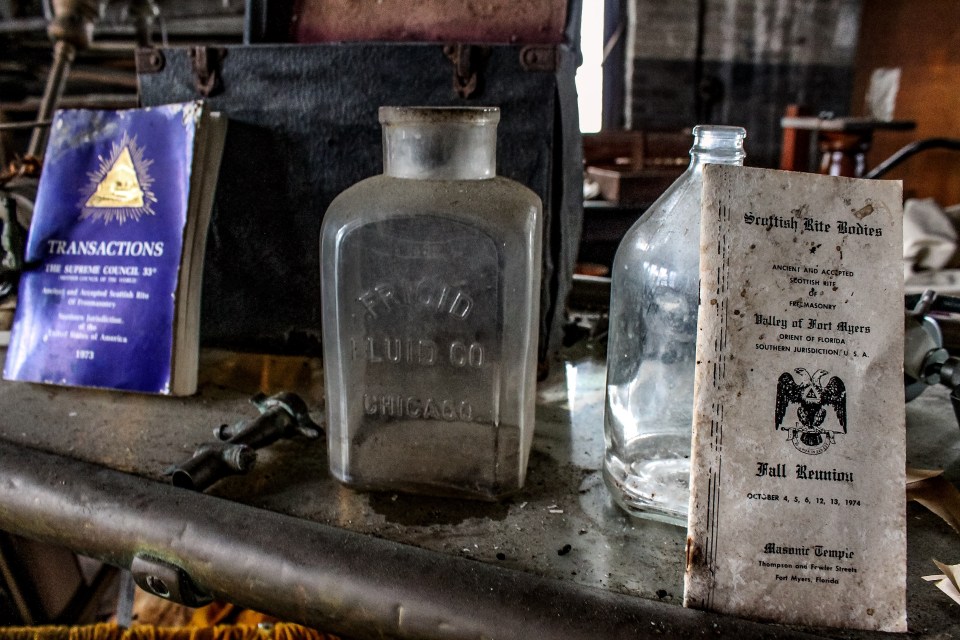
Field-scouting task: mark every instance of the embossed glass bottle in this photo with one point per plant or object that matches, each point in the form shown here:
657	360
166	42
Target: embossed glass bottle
430	293
652	341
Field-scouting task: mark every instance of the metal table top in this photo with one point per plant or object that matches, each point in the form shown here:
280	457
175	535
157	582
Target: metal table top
557	553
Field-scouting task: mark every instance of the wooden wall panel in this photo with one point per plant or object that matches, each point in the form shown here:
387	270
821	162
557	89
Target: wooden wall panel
922	37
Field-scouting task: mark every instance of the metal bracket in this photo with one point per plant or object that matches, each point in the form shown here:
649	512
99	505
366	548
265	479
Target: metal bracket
206	63
539	57
13	238
468	64
167	581
149	60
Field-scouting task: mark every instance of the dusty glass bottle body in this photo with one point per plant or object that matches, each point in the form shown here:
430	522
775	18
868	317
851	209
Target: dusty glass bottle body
652	341
430	297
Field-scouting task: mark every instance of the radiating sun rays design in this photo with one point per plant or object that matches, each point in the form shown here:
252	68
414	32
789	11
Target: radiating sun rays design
120	189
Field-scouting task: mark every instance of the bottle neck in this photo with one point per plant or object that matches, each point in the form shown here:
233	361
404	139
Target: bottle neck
716	144
440	143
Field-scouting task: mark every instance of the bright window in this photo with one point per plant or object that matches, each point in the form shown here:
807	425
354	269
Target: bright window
590	73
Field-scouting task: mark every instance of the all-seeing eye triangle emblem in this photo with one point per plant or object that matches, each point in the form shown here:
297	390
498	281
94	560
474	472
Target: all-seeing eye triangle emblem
120	189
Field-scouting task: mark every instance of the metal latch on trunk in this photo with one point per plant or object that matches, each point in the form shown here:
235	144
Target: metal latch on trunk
206	63
469	61
149	60
539	57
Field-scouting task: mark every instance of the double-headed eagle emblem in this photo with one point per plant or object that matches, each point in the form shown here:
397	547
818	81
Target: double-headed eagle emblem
821	412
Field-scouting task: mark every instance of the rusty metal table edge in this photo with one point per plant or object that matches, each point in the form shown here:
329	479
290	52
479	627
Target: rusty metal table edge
320	576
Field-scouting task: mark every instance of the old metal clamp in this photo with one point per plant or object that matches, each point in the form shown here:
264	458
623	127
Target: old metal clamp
283	415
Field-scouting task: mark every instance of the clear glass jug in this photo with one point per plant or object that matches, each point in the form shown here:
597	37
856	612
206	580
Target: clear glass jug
652	341
430	297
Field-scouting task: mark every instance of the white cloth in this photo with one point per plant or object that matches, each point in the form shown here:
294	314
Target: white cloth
929	237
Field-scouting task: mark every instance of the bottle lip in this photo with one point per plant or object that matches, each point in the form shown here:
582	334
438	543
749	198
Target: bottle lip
439	115
719	131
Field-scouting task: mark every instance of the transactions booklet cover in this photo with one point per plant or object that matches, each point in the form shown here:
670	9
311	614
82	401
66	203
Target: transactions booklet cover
110	296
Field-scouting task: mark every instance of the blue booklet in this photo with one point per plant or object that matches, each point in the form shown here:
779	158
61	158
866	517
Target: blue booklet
111	295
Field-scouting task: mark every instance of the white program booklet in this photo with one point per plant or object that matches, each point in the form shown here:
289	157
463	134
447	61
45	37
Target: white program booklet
797	512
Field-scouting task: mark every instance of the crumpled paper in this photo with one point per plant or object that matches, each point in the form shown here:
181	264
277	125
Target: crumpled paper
948	581
881	98
936	493
933	491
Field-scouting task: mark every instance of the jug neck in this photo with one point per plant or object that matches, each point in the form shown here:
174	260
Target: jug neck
440	143
717	144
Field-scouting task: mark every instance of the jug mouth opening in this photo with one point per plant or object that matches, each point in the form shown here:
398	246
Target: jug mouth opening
441	143
717	144
439	115
719	133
